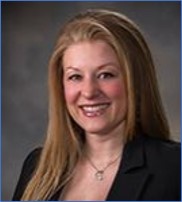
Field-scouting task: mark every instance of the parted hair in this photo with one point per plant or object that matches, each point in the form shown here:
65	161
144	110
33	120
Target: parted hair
145	114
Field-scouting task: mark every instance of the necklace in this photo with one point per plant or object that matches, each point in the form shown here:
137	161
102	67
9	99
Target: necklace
99	174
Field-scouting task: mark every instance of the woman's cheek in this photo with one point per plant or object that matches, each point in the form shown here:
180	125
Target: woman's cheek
116	90
70	93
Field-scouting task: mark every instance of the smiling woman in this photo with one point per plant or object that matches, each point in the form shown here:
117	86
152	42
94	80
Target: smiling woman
108	136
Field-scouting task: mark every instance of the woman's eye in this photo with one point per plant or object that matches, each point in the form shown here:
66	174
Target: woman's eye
106	75
75	77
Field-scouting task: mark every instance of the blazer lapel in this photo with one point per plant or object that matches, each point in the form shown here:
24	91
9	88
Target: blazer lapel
132	175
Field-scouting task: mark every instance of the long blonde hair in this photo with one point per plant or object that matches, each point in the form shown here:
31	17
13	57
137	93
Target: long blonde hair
65	139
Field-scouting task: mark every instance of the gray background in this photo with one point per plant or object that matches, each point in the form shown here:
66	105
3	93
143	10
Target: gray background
29	31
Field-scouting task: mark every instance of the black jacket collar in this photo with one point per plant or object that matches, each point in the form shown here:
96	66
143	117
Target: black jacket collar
132	174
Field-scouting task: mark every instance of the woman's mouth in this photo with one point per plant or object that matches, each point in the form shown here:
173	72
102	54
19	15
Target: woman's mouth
94	110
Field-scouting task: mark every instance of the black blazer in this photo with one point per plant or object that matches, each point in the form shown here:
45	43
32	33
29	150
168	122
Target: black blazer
149	170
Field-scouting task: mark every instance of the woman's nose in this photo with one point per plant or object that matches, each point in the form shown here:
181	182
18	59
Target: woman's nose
90	89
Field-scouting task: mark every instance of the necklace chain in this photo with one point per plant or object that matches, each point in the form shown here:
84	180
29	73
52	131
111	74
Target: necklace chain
99	175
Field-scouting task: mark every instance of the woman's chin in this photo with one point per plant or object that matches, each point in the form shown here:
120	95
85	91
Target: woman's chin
95	130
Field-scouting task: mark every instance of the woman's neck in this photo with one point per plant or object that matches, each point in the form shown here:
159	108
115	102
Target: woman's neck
104	147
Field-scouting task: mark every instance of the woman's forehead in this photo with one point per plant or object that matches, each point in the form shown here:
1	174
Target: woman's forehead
96	53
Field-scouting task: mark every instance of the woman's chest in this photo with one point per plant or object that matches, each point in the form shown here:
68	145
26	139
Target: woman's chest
86	186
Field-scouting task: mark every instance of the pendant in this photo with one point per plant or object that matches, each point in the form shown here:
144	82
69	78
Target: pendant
99	175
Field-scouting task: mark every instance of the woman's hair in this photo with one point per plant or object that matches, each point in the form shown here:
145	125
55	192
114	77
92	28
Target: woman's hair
145	114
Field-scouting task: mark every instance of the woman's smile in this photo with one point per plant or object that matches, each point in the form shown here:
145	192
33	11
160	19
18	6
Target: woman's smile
95	110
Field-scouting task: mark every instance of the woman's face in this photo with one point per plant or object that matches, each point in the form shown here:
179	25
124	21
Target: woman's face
94	87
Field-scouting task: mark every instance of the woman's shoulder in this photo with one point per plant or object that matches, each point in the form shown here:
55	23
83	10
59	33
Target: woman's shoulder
162	145
33	156
29	166
163	152
31	161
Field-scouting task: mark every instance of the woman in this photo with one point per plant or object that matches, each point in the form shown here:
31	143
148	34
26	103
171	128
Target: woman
107	136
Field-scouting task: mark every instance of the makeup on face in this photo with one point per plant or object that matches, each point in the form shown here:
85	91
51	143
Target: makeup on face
94	86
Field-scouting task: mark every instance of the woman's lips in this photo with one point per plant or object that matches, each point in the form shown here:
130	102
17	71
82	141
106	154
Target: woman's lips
94	110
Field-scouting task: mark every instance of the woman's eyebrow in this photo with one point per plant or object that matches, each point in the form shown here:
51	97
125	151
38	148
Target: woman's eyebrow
71	68
99	67
107	64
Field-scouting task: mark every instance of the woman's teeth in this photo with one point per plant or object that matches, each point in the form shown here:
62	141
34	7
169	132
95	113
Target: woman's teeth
94	110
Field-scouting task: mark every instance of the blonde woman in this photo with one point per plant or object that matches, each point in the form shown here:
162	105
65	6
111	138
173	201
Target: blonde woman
108	136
